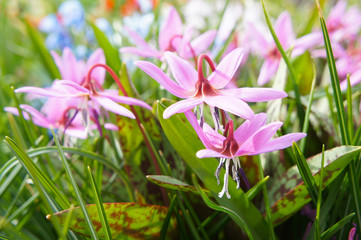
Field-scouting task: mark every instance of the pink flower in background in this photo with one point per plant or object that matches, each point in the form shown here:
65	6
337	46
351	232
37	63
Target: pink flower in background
253	137
76	70
265	46
80	92
171	38
197	89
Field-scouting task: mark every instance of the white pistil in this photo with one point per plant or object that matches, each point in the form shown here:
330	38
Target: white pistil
218	170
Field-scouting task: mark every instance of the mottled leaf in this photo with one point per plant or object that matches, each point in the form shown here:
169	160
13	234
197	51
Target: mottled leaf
288	194
126	220
173	183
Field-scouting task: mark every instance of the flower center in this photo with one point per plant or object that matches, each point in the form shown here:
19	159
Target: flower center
230	145
204	88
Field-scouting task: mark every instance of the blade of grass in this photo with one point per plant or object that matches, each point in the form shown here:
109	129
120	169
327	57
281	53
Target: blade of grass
100	207
67	222
319	198
214	206
266	201
171	208
349	108
341	115
305	172
332	230
71	178
308	109
300	110
256	188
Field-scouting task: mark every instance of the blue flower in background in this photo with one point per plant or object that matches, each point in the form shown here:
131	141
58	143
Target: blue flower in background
71	15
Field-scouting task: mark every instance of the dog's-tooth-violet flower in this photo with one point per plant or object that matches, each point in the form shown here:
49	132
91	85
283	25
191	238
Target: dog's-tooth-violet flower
253	137
171	38
265	46
82	87
197	89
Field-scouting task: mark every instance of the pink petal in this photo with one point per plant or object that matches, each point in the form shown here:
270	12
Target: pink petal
281	142
125	100
268	70
258	39
73	70
249	127
69	87
183	72
201	43
355	78
258	140
112	106
38	118
183	46
147	53
255	94
210	138
59	63
226	69
98	74
232	105
284	30
77	132
181	106
161	78
41	91
138	40
111	126
207	153
307	42
172	27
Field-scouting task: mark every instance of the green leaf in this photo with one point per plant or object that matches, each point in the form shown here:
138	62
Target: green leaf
71	178
305	172
290	191
332	230
46	58
100	207
239	220
111	54
185	141
126	220
256	188
173	183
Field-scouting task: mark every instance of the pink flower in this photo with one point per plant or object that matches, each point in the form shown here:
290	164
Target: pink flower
171	38
76	70
81	91
265	46
251	138
197	89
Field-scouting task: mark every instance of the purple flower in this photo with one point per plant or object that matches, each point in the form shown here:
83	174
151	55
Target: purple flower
197	89
80	90
253	137
265	46
171	38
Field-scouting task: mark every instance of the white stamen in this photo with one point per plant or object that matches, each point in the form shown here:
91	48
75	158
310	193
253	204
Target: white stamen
225	185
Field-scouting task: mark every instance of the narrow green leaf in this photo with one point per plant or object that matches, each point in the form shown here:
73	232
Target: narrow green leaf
45	56
214	206
300	110
185	141
332	230
305	172
319	197
308	110
100	207
167	219
111	54
349	108
67	222
334	80
71	178
126	220
173	183
289	193
256	188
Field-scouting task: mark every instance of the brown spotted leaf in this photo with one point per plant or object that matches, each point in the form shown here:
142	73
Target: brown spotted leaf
126	220
173	183
288	193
